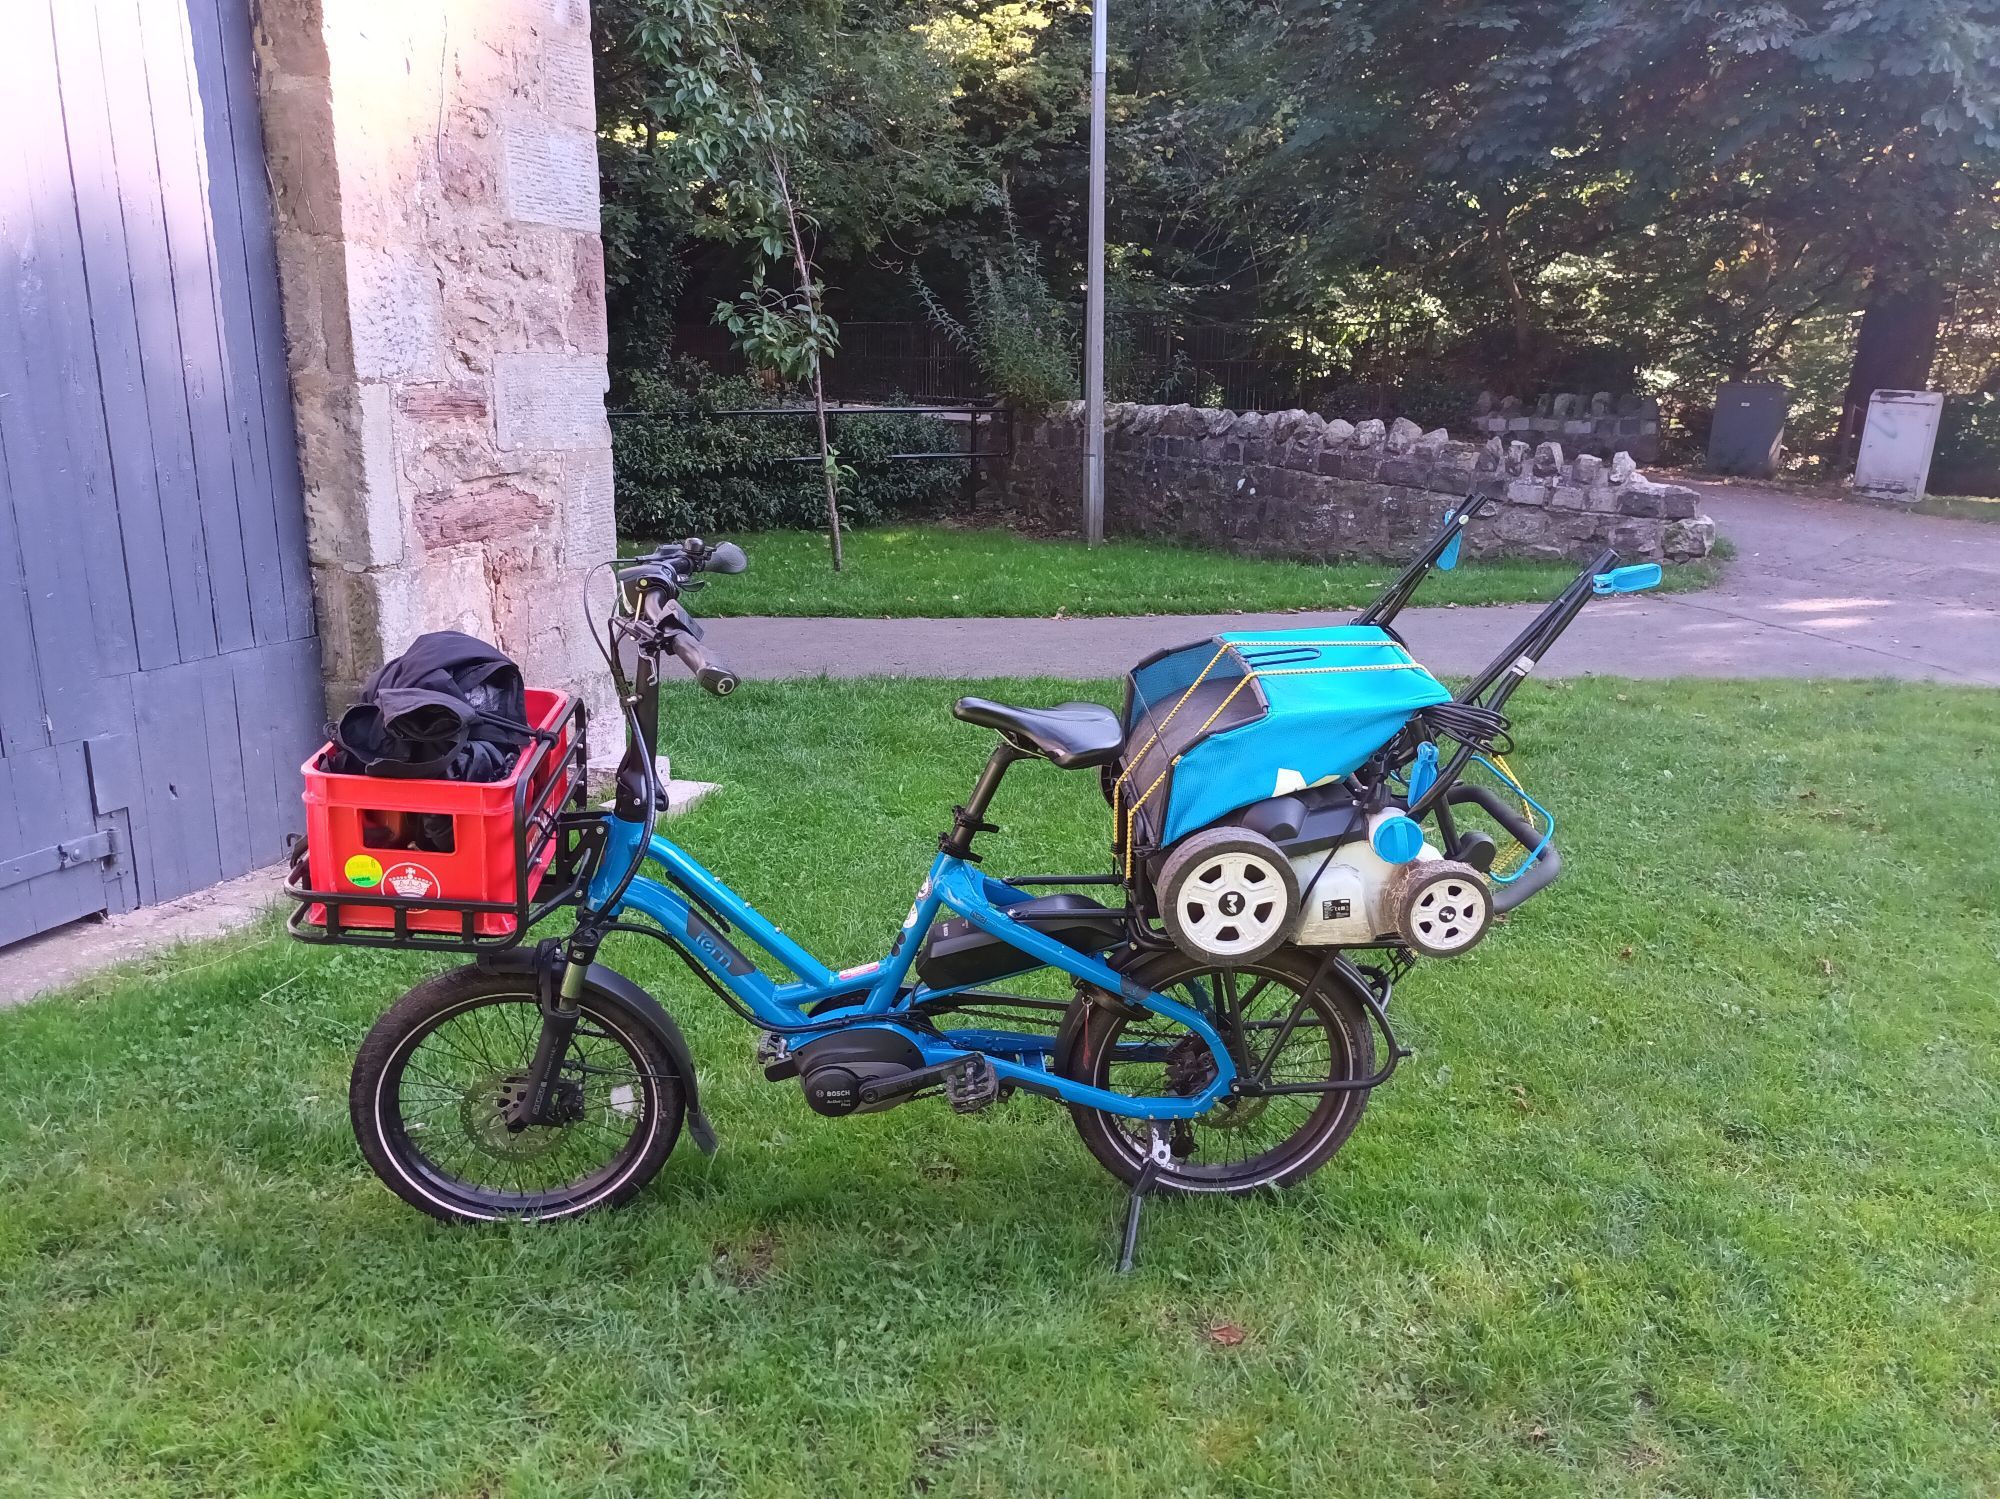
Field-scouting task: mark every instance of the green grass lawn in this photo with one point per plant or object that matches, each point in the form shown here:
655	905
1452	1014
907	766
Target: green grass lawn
948	572
1690	1187
1960	506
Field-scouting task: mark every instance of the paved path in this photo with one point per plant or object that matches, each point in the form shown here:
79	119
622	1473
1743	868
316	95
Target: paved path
1819	588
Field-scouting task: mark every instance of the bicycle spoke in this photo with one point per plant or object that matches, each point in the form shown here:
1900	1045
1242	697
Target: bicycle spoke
1149	1056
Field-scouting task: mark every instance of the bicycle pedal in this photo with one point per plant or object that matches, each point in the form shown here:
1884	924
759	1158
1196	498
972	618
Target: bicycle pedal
972	1086
774	1055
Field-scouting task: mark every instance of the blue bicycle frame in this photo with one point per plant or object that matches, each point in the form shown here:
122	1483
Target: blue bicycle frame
881	988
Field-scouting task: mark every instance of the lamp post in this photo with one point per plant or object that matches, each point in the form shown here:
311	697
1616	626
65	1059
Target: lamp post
1093	310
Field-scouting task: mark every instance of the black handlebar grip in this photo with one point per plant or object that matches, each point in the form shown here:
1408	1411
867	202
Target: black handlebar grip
718	680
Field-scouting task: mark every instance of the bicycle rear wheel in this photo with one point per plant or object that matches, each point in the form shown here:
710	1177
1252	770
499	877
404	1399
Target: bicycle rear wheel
1241	1144
437	1078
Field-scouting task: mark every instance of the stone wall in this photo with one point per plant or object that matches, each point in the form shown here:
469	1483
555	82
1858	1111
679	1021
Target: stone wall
1600	424
1290	484
434	184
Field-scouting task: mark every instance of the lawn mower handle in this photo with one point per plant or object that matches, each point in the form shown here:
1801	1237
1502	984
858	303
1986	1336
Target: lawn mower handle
1548	865
1399	593
1510	668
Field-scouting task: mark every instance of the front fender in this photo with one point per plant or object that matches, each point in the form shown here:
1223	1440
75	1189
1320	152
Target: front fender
650	1012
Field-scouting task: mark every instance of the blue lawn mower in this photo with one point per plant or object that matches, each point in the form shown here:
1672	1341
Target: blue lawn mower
1296	818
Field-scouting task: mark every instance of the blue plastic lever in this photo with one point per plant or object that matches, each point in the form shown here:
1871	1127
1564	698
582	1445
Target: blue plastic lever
1448	558
1635	579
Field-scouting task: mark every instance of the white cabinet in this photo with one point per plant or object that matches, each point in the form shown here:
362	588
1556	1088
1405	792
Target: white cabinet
1895	459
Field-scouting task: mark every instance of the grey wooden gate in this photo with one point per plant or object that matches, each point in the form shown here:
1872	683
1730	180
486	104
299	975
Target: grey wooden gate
159	675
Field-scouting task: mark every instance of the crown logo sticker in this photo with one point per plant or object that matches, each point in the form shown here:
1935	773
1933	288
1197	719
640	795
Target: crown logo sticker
411	881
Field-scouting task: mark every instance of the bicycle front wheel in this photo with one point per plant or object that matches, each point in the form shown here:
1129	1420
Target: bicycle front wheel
438	1080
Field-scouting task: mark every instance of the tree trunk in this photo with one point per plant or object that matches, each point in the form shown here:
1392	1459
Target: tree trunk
827	466
1895	349
1518	307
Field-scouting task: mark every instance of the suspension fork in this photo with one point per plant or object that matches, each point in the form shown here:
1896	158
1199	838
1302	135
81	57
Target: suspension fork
561	970
559	981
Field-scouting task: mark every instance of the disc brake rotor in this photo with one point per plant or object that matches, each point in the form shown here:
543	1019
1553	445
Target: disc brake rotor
487	1107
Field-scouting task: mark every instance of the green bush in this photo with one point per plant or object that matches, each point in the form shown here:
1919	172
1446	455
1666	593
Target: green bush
685	470
1022	338
1967	460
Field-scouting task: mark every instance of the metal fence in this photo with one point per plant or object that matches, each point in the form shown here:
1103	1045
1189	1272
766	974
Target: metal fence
877	361
988	434
1262	366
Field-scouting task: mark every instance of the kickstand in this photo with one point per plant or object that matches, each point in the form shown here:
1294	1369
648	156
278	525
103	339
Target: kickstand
1157	1155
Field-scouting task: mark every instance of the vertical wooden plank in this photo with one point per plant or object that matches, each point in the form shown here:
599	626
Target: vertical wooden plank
21	723
42	780
262	696
118	798
184	198
135	158
17	918
71	357
162	860
118	793
113	324
121	884
182	847
274	385
41	458
222	740
98	885
249	448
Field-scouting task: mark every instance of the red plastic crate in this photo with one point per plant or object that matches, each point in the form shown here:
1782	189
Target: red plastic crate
486	817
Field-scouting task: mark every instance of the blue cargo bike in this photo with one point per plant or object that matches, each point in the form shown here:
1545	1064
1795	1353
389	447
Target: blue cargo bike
1296	817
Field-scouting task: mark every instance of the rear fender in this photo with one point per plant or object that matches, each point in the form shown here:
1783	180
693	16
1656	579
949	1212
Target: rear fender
648	1010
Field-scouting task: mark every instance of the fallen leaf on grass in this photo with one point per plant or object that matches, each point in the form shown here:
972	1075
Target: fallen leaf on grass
1625	952
1825	967
1226	1334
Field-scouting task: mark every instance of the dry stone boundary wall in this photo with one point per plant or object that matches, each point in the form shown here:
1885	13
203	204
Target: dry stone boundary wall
1292	484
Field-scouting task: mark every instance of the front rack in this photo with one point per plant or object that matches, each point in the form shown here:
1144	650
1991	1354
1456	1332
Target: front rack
317	914
557	845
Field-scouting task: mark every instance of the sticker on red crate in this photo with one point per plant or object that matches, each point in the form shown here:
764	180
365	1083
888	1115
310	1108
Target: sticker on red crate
411	881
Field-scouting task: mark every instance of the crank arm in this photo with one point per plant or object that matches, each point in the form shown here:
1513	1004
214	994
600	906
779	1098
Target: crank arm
911	1083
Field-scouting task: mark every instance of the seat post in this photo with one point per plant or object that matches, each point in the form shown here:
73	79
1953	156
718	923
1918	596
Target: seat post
968	821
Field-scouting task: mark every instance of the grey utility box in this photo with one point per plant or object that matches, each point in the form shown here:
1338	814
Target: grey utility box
1749	430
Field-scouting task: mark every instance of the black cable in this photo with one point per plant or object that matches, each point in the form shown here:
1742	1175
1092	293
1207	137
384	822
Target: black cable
653	788
1468	723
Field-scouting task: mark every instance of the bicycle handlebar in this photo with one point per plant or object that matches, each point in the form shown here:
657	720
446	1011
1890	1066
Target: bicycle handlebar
718	680
659	580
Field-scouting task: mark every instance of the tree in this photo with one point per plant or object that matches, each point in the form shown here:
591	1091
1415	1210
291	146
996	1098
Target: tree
1714	174
1825	151
877	154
